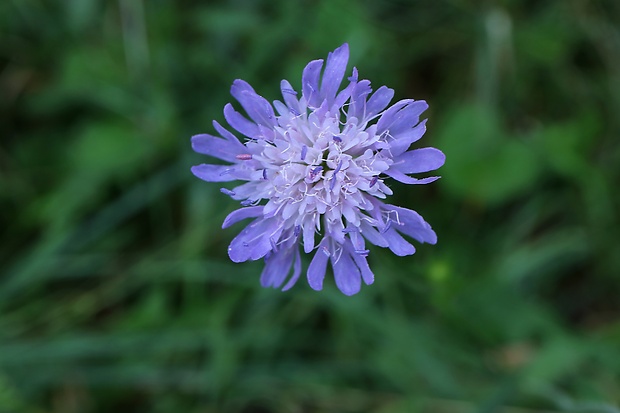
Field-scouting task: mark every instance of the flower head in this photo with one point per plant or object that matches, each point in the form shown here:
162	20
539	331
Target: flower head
316	170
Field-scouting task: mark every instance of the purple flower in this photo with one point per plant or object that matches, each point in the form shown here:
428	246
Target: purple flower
317	167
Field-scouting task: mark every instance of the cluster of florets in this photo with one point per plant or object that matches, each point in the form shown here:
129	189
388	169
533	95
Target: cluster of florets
318	167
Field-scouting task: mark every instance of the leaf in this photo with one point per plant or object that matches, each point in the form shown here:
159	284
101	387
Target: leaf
483	163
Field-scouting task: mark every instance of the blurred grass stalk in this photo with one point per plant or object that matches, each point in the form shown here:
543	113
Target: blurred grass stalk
135	38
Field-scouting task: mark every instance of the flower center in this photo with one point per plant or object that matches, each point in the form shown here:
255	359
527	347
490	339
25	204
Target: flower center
316	167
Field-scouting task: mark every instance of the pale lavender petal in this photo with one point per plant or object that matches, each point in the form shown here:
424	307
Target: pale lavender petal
419	160
334	72
296	272
267	133
379	101
322	110
391	115
257	107
357	106
397	244
253	242
406	179
346	273
310	82
318	265
228	136
260	249
345	94
241	214
413	225
215	173
362	264
244	191
277	267
407	117
308	238
402	141
239	122
289	95
356	241
216	147
281	108
372	235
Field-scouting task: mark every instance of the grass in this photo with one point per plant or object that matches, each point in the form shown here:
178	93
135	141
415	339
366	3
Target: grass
116	293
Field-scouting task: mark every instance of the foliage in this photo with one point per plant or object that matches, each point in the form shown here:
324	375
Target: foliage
116	293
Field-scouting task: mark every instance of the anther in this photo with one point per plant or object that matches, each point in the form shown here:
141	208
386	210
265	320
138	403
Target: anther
373	181
338	167
244	156
247	202
315	171
337	138
294	111
227	192
265	174
297	230
304	151
332	183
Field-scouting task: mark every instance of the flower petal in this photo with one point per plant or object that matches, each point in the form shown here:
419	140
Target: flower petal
356	241
296	272
403	140
372	235
241	214
289	94
407	117
254	241
229	136
397	244
310	82
218	148
308	236
378	101
419	160
240	122
277	267
318	265
215	173
257	107
401	177
357	105
346	273
334	72
362	264
413	225
345	93
391	115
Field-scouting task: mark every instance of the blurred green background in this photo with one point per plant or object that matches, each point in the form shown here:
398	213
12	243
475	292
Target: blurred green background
116	292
